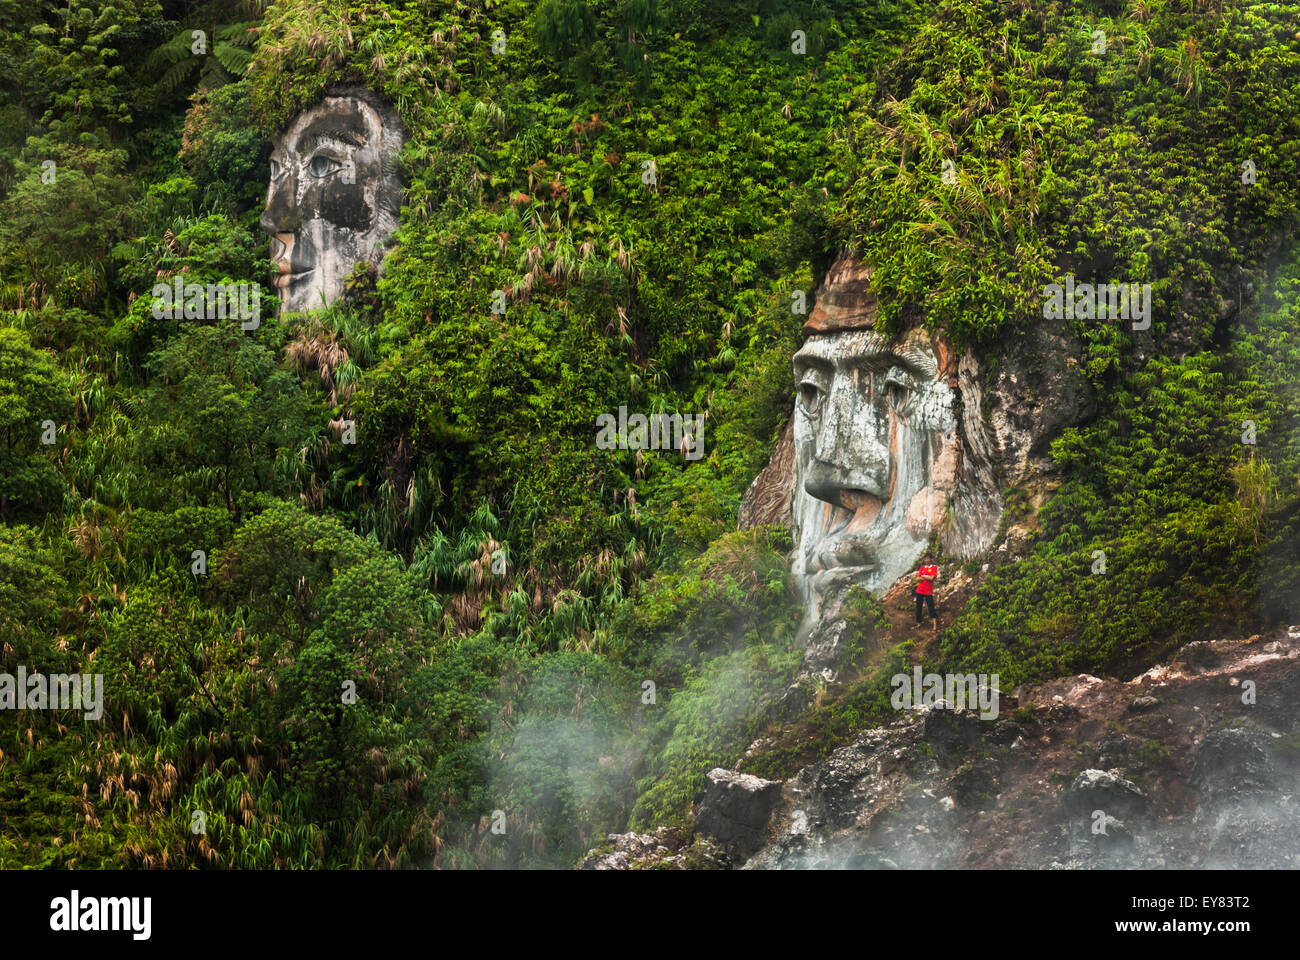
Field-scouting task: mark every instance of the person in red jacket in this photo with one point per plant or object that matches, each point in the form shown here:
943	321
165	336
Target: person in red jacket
925	578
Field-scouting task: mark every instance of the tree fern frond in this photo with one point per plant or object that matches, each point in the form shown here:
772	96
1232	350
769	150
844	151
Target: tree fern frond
174	50
243	34
233	59
177	74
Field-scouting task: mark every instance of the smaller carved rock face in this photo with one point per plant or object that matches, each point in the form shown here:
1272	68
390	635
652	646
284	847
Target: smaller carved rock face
333	197
877	451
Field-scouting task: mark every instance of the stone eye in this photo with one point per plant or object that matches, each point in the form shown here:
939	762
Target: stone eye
810	395
322	166
898	388
275	170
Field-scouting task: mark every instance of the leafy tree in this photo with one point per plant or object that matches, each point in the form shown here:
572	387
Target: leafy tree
31	393
563	30
353	670
76	58
218	418
153	648
60	232
30	583
278	563
222	147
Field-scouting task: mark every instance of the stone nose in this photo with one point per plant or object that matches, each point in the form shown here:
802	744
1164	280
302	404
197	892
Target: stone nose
848	453
281	214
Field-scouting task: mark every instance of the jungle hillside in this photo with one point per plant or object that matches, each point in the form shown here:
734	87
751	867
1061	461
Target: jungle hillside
360	582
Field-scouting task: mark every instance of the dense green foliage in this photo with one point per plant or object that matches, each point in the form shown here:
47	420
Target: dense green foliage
1117	165
391	647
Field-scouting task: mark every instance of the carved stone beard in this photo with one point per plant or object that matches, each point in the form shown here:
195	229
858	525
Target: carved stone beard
877	451
333	197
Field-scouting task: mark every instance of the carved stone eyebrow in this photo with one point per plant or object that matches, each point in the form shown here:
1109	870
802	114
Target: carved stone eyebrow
823	351
918	360
875	352
333	138
914	363
806	361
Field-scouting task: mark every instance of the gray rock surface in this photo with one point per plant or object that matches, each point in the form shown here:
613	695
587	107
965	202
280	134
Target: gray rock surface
662	849
1077	780
735	810
1104	790
334	196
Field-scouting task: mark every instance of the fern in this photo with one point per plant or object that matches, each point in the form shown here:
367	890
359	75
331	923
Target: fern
227	57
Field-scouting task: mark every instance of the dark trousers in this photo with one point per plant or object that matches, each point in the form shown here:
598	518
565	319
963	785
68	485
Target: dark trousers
928	598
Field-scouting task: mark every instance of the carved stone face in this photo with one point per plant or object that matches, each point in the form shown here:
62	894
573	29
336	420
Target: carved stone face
895	443
334	195
877	450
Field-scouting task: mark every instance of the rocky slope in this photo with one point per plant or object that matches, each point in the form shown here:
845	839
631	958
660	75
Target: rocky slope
1193	764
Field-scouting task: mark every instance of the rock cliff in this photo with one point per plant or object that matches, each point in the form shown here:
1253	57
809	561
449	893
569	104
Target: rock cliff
1193	764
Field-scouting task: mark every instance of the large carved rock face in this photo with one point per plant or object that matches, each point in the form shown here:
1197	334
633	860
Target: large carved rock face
877	456
334	195
893	443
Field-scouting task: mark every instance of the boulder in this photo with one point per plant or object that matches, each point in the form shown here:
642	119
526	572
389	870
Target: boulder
736	809
1143	704
625	851
1233	762
1106	791
663	849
